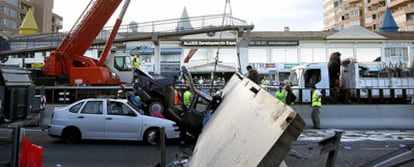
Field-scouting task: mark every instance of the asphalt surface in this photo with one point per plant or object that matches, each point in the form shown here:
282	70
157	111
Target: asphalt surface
356	148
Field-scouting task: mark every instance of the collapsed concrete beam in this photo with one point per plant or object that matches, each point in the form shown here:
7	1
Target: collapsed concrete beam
249	128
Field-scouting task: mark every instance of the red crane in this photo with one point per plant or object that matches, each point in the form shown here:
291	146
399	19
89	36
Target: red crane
69	60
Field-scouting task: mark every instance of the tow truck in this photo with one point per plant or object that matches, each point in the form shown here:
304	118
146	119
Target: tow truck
353	77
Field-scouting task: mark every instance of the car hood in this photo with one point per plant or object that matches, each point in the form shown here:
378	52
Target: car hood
152	119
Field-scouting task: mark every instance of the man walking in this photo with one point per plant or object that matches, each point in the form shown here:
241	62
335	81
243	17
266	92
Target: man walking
252	74
316	105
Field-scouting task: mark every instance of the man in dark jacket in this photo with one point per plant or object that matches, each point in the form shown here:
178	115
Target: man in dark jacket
252	74
290	97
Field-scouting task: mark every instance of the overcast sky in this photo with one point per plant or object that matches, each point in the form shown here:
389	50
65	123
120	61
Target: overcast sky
266	15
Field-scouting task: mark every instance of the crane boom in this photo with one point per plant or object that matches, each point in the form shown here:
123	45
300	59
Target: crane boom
82	35
69	60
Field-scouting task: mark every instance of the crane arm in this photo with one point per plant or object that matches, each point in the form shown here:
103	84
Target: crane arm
82	35
111	39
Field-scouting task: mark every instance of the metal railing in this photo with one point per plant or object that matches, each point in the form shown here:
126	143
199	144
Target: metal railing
50	41
69	94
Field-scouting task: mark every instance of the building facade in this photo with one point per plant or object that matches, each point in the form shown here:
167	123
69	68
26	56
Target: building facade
274	53
12	13
340	14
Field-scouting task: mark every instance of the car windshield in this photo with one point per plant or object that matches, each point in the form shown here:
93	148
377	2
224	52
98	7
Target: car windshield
294	76
136	108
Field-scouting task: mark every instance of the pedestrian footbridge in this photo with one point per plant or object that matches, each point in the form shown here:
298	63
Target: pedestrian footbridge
152	30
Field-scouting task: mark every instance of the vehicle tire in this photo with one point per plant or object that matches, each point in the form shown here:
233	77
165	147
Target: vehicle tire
152	136
156	105
71	135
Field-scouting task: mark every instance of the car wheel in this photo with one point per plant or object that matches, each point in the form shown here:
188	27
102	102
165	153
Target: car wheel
152	136
156	105
71	135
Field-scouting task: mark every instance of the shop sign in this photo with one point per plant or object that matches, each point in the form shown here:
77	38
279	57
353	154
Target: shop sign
263	65
274	43
208	43
290	66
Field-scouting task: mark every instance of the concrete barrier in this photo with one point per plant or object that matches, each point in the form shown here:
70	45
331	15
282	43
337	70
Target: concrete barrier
370	117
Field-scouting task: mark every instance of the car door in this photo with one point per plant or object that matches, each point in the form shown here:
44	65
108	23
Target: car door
122	122
90	120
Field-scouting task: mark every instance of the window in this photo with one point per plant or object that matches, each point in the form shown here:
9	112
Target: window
118	108
122	63
285	55
313	55
368	54
76	108
257	55
92	107
294	77
312	77
13	2
345	52
396	55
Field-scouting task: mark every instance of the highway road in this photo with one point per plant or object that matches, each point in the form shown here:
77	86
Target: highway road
356	148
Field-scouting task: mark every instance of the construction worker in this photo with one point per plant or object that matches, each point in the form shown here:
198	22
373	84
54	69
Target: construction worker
281	94
135	66
316	105
265	83
187	97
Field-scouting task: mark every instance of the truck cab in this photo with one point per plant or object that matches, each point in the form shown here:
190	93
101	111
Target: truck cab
120	64
304	76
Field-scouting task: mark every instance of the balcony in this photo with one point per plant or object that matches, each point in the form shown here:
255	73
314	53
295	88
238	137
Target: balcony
398	3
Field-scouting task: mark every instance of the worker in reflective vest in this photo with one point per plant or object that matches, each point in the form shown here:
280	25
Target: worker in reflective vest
281	94
187	97
316	105
135	66
265	83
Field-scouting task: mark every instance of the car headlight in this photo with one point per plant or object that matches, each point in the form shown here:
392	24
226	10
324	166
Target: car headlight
114	75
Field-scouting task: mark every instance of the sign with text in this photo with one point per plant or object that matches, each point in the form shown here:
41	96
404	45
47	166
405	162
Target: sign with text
274	43
208	43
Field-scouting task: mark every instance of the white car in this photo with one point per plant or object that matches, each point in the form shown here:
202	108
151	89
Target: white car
107	119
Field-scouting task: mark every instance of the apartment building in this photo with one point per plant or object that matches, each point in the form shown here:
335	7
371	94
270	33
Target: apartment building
12	13
340	14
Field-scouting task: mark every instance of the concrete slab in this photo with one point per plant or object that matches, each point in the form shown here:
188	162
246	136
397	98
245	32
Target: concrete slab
249	128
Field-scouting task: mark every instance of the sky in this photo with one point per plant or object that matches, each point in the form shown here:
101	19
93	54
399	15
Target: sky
265	15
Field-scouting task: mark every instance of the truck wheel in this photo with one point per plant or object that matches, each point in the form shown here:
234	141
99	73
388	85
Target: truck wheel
156	105
71	135
152	136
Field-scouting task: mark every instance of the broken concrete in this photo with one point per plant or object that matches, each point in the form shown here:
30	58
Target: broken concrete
249	128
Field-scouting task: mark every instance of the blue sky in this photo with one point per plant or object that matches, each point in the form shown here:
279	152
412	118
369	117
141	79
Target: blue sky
266	15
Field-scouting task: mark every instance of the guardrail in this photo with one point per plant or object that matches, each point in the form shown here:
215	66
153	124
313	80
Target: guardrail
69	94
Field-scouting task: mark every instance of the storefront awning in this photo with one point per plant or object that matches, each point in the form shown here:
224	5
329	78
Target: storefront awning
164	51
208	68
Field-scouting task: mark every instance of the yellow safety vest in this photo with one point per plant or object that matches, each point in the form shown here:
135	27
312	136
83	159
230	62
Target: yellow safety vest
187	98
135	62
316	100
265	83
